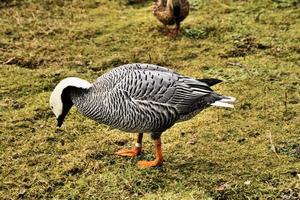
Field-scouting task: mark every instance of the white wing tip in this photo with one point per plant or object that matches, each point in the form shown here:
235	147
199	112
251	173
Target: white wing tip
226	102
228	99
222	104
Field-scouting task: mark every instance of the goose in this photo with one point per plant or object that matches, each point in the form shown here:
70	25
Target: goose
170	12
138	98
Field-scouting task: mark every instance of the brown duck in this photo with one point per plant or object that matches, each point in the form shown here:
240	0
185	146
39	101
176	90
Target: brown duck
136	1
171	12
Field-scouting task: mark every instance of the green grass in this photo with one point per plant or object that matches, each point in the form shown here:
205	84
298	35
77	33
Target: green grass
254	46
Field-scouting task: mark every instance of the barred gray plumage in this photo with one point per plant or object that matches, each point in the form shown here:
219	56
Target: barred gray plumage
138	98
143	98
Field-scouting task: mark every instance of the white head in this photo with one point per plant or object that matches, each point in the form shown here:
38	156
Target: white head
60	101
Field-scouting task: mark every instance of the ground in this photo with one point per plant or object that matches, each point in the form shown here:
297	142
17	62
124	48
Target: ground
249	152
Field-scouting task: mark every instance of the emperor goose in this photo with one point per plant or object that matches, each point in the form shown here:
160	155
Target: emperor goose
141	98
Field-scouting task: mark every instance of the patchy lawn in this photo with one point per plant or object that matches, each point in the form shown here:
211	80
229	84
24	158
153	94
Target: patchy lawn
249	152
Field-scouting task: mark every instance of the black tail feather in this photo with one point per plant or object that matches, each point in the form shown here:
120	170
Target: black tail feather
210	81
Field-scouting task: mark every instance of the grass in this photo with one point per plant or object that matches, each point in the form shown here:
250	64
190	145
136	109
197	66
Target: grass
220	154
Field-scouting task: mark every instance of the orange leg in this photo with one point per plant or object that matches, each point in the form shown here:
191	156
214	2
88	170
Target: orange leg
158	160
175	31
167	30
135	151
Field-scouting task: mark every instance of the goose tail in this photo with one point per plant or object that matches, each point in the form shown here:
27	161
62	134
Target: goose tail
226	102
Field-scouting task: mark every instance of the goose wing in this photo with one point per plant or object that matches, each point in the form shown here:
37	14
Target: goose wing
152	84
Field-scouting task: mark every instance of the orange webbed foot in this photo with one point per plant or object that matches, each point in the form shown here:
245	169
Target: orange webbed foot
146	164
129	152
173	33
158	160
